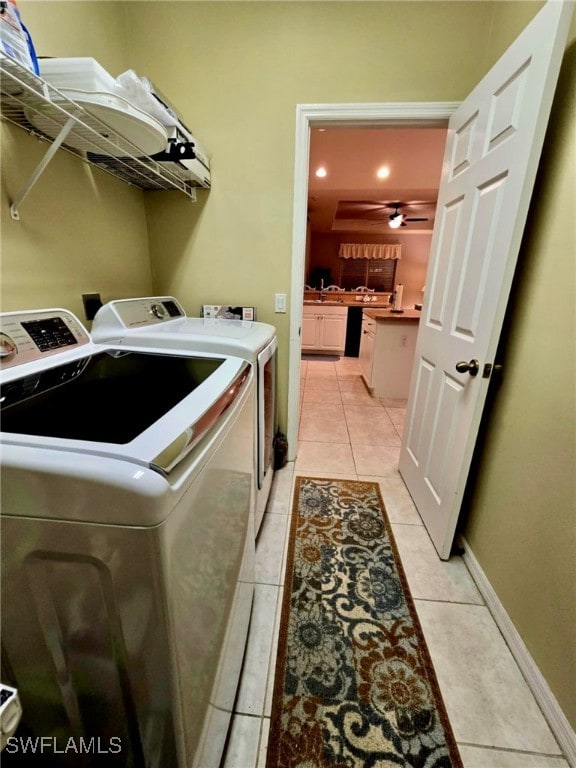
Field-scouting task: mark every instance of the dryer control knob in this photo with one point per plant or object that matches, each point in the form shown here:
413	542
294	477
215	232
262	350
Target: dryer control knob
158	310
7	347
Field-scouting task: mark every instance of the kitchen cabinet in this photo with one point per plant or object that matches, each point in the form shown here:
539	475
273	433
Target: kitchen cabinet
28	99
324	329
387	346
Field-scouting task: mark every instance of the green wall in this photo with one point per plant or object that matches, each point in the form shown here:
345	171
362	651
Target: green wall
237	72
80	230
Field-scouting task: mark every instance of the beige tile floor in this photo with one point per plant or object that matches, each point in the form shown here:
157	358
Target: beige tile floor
346	433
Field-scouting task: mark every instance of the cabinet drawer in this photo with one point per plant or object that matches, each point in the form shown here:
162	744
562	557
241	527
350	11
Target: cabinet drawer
332	310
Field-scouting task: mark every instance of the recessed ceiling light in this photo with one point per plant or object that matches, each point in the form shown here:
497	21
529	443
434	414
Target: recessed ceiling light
383	172
321	172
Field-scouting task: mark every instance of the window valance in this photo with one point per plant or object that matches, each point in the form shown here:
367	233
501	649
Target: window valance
370	251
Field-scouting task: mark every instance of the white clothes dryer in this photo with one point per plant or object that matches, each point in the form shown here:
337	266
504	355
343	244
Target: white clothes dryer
162	320
127	543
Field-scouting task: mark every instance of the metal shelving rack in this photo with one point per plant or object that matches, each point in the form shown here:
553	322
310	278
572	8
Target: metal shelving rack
79	132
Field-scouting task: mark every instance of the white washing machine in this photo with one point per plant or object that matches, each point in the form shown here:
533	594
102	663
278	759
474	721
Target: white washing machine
127	544
162	320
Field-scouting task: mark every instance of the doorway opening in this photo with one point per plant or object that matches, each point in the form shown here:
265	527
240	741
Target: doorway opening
308	118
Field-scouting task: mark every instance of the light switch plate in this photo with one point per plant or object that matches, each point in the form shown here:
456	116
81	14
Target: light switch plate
279	302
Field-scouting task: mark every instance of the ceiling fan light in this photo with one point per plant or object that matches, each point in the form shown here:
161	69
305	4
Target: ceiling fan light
395	221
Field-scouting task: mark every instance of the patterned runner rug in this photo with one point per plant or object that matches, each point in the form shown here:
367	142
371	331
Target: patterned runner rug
355	686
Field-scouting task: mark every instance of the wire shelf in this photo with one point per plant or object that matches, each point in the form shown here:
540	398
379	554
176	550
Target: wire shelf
25	97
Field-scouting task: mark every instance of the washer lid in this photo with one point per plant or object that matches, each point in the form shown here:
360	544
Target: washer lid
226	337
146	407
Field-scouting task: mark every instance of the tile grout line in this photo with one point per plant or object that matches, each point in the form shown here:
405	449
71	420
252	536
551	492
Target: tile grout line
447	602
347	427
509	750
260	737
349	435
273	654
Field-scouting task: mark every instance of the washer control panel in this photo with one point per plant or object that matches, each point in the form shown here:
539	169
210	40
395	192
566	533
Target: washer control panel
10	713
28	336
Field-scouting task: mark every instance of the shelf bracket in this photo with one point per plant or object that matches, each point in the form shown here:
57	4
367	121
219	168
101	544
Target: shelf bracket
66	128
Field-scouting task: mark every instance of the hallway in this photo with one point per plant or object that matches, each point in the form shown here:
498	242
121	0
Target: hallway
345	433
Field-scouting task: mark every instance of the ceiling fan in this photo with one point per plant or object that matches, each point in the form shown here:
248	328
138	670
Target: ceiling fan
398	219
376	211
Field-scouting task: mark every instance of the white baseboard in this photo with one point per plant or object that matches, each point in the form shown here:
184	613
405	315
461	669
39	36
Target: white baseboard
546	700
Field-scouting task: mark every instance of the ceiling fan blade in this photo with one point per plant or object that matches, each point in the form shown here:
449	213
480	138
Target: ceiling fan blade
359	209
413	219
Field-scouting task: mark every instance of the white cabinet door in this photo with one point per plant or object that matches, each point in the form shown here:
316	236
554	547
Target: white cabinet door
366	356
394	346
367	349
324	328
310	327
332	332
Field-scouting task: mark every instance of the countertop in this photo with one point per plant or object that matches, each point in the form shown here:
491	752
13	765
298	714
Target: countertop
388	315
347	302
346	299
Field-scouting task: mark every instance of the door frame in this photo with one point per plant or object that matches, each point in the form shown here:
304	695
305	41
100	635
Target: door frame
390	114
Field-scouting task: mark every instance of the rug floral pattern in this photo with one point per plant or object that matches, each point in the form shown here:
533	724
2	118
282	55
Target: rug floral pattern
355	687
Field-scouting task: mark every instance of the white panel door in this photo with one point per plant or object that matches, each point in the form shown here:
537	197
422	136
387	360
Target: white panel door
492	151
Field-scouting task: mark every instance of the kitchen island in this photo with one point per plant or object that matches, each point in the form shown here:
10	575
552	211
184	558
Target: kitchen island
387	346
388	315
